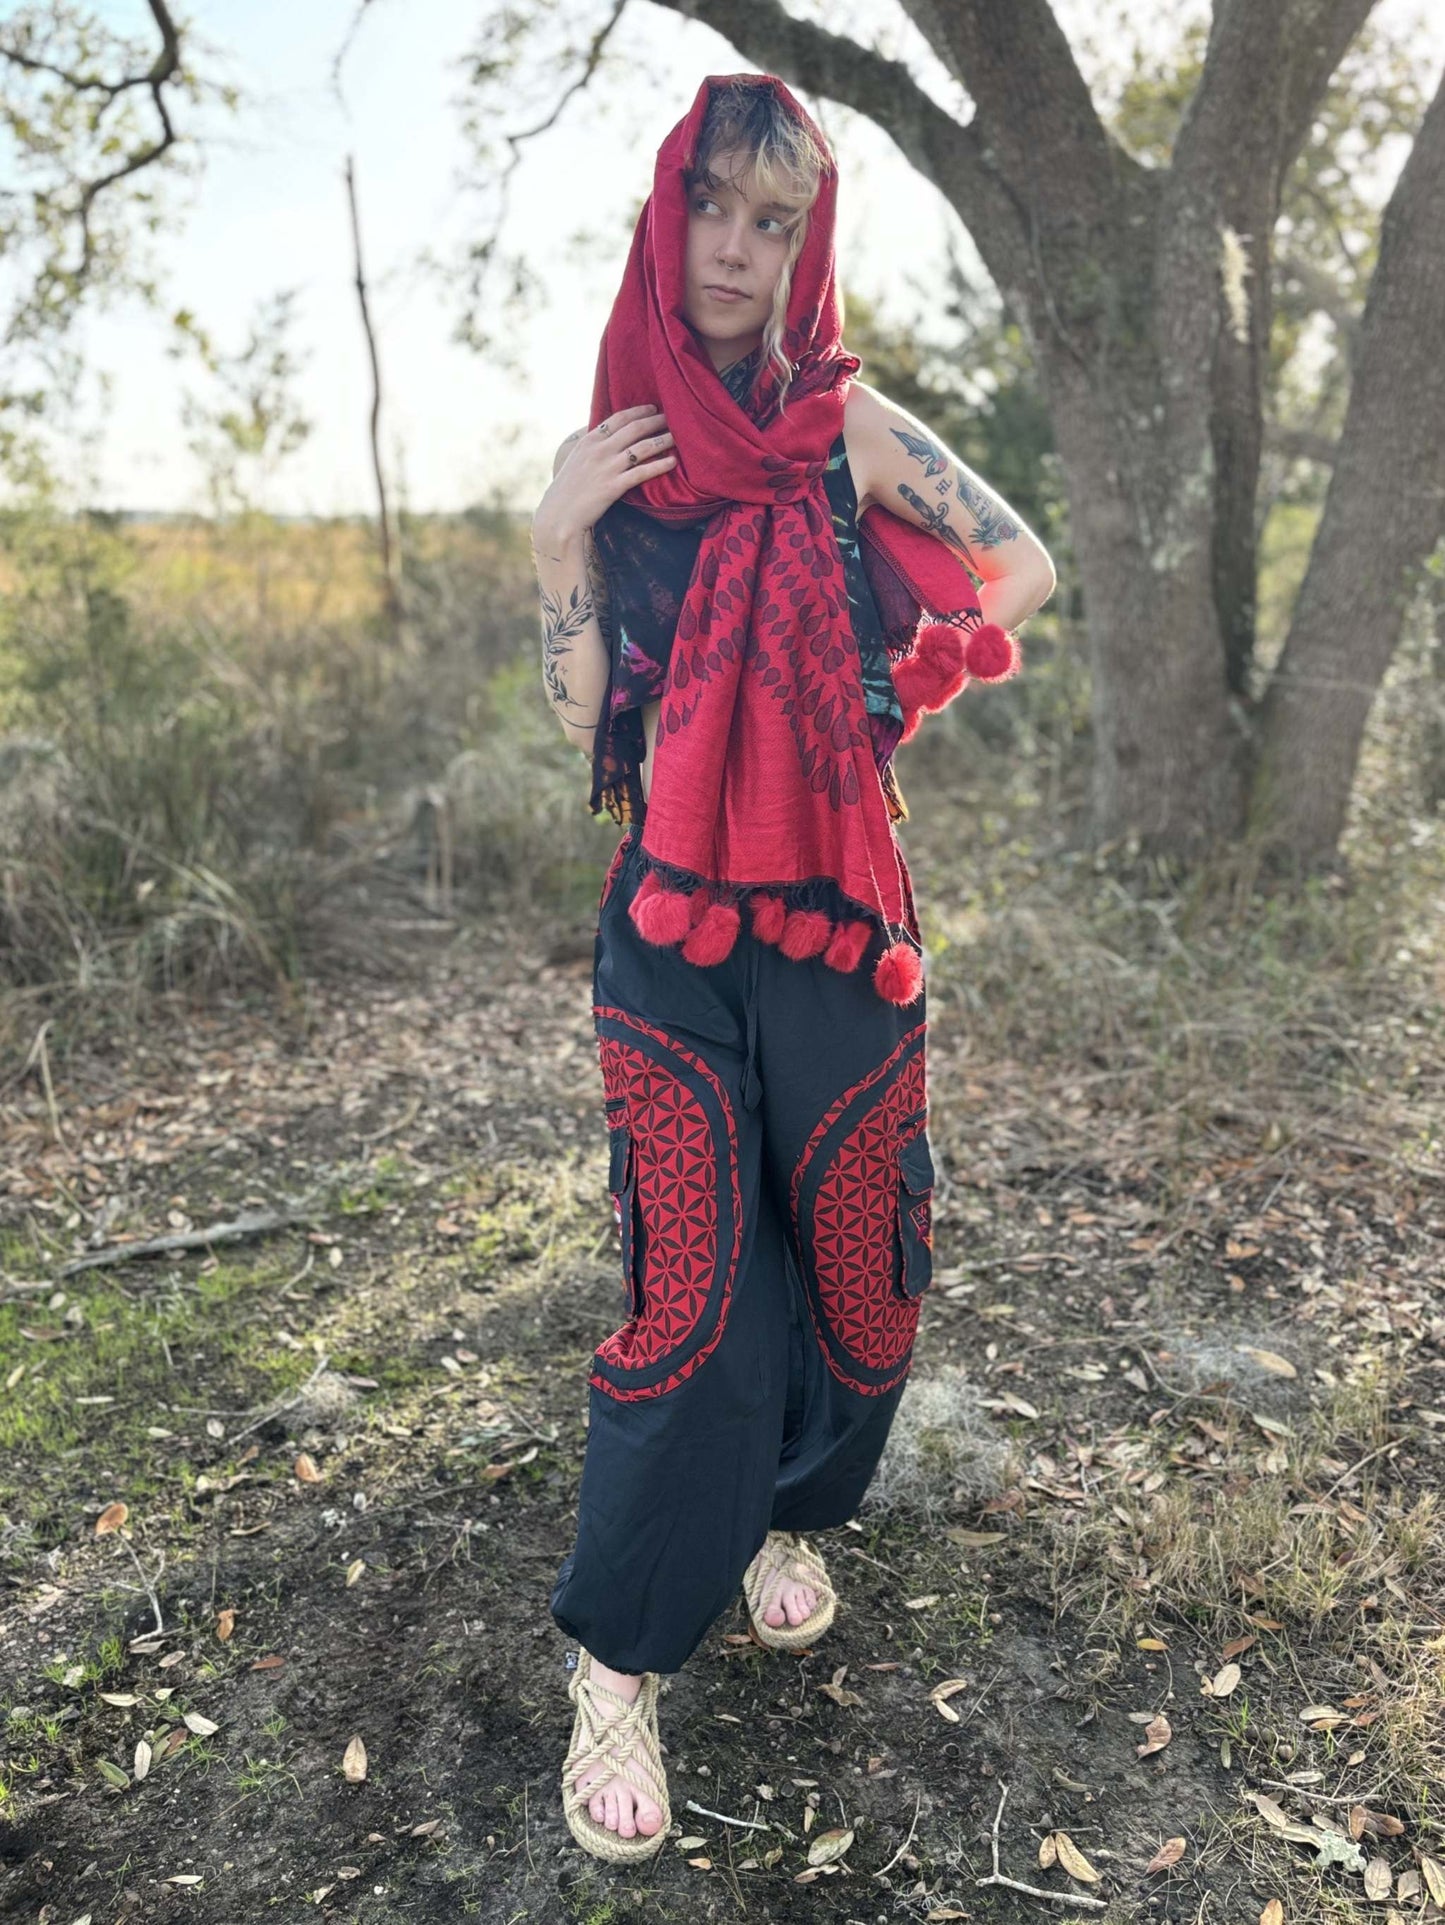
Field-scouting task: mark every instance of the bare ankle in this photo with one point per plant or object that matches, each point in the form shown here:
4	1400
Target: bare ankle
626	1684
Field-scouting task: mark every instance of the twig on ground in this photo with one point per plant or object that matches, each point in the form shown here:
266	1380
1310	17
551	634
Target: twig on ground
240	1231
745	1824
1369	1457
996	1877
146	1585
917	1804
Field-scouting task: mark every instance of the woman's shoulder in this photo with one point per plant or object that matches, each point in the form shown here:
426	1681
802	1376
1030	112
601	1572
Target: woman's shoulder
863	411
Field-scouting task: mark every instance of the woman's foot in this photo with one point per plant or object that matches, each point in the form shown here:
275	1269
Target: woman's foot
615	1802
785	1600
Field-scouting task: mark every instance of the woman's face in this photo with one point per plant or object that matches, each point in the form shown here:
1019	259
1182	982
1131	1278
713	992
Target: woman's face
733	243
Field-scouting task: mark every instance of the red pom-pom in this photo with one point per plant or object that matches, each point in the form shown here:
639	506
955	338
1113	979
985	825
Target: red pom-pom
898	976
845	950
698	904
660	915
911	720
934	673
714	935
769	915
805	932
991	654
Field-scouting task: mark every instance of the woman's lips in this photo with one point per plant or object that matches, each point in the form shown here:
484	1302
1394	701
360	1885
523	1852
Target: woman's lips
726	293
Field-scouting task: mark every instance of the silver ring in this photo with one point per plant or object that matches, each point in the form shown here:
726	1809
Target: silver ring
631	459
604	427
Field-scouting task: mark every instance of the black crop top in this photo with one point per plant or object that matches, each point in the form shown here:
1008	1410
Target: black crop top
648	567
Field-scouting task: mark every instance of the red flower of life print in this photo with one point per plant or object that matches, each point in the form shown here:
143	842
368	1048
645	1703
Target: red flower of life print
855	1223
679	1164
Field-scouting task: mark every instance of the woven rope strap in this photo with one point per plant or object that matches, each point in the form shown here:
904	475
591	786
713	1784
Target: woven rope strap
791	1555
614	1734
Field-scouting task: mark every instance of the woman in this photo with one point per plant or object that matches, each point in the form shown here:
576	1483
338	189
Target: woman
733	560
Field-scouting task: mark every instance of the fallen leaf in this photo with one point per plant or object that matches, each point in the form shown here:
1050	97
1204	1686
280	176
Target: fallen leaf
1048	1850
1169	1853
111	1518
940	1694
202	1726
1434	1875
1224	1680
973	1540
306	1468
225	1623
183	1878
354	1570
1378	1878
143	1756
1269	1360
921	1603
1273	1913
828	1846
1236	1647
1151	1644
118	1697
354	1762
1270	1811
112	1774
1074	1861
1157	1734
691	1844
701	1864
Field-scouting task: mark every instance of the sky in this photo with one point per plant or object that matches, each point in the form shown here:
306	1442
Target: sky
268	212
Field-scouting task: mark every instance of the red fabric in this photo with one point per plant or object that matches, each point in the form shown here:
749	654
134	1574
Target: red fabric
764	770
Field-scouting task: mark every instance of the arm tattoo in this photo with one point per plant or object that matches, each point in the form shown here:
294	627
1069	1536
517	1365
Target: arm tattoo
990	524
562	621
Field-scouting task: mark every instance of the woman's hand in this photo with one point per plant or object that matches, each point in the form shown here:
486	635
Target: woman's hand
596	472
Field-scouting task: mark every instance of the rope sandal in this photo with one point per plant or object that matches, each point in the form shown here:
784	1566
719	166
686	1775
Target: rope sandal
611	1732
788	1553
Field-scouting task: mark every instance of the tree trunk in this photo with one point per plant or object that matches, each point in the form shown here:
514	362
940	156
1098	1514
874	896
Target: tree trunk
1383	515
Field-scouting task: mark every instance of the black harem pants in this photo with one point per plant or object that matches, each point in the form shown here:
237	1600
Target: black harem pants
771	1183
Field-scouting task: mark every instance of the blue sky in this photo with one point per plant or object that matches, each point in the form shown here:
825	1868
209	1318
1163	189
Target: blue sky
269	212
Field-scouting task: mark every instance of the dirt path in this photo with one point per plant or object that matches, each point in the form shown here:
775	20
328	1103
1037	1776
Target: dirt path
1172	1418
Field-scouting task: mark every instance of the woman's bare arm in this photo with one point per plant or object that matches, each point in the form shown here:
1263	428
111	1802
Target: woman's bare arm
899	464
575	658
574	653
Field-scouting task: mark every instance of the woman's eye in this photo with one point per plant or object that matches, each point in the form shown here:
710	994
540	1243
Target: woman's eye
705	201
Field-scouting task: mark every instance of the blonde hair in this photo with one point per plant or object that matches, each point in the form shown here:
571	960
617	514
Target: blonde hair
787	164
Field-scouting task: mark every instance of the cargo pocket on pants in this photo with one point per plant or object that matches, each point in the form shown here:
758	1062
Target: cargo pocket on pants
914	1269
622	1186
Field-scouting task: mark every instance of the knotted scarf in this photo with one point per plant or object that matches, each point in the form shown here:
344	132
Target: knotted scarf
765	793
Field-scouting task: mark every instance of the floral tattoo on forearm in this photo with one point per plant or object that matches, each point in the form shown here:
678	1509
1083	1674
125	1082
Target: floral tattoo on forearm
991	526
562	621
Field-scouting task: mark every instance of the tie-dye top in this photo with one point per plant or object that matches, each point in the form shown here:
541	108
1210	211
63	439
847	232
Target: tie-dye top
647	567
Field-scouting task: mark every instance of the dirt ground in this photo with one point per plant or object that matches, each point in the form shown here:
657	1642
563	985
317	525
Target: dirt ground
1160	1511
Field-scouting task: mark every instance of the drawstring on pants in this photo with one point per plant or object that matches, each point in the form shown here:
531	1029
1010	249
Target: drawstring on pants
752	1082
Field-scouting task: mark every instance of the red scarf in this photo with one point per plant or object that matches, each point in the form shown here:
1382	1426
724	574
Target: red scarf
765	794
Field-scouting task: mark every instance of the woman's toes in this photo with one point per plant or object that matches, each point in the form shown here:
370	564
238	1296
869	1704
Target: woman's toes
649	1817
612	1815
597	1805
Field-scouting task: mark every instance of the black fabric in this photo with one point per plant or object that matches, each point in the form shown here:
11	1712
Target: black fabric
771	1182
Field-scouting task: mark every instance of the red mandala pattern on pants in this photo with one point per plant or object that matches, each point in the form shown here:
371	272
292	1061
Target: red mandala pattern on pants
855	1222
679	1164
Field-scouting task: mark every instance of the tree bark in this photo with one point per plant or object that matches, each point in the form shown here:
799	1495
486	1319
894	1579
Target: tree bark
1384	513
